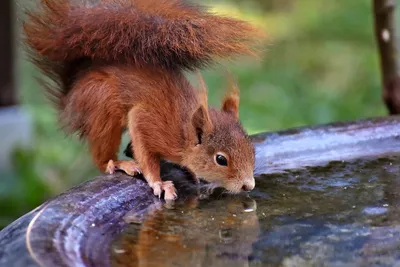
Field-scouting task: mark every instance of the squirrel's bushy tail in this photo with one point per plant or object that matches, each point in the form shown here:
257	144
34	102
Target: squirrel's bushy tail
164	33
65	37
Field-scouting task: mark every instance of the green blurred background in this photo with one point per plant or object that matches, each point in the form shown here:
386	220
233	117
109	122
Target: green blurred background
321	65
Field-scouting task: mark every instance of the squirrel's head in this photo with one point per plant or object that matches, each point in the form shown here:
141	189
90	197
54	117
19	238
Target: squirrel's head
222	152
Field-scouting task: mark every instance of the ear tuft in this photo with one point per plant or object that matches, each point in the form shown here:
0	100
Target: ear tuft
230	104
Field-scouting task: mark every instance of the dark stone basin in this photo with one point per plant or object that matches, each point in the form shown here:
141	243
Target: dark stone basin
325	196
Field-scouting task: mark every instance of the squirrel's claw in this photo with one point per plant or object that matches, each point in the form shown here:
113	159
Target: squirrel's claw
128	166
157	189
110	169
168	188
170	191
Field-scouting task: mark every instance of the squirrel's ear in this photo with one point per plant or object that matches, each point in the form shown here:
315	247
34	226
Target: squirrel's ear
201	119
230	104
201	122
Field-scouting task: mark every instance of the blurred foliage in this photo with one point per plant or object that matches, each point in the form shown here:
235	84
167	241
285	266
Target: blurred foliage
321	65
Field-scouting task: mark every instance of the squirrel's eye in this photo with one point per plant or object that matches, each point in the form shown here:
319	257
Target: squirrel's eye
221	160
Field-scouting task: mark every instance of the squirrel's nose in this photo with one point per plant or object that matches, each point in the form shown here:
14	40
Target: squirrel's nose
248	184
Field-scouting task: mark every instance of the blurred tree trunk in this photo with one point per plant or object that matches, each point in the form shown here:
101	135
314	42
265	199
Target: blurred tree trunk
384	11
8	96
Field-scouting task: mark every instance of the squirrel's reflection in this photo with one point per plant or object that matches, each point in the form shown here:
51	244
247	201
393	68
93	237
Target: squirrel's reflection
206	233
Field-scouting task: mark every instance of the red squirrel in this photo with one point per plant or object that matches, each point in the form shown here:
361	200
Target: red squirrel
119	64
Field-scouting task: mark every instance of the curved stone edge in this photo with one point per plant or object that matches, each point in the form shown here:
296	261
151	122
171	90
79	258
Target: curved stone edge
77	226
317	145
13	249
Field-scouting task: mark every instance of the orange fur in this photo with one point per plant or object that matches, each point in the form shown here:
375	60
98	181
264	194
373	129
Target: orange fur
119	64
231	100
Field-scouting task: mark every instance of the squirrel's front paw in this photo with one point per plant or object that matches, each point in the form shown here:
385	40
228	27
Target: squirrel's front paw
128	166
168	188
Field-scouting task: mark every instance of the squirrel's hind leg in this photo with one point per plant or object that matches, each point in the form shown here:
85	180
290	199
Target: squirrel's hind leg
104	147
98	113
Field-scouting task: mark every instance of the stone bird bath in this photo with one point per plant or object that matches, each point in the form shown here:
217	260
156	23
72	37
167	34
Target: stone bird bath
325	195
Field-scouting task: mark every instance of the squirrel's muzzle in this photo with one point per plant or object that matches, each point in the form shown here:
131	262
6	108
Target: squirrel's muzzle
248	184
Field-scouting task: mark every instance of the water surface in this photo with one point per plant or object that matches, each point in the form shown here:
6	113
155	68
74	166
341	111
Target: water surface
340	214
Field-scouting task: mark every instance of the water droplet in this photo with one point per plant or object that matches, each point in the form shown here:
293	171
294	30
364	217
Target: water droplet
119	251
